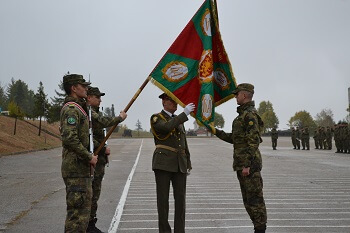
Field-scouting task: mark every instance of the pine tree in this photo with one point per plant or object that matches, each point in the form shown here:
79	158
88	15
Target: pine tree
54	109
19	93
41	104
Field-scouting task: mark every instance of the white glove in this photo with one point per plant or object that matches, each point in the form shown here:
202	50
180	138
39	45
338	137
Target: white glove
189	108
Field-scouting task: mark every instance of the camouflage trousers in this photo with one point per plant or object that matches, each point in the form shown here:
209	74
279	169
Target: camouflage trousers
329	144
316	143
252	193
297	142
294	142
274	143
97	184
305	143
78	200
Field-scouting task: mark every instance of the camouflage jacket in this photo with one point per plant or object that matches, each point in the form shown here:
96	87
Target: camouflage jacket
245	137
99	122
297	134
293	135
171	153
75	139
305	134
274	134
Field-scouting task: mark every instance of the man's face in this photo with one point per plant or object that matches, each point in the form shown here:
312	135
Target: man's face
169	105
94	100
240	97
80	90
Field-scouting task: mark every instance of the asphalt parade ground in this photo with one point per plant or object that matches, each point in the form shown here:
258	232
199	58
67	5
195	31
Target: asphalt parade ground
305	191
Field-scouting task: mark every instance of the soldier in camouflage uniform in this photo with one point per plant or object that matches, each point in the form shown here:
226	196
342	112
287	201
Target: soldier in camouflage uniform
298	137
305	137
99	122
247	162
323	142
76	159
294	138
316	139
346	135
329	138
171	162
336	138
274	137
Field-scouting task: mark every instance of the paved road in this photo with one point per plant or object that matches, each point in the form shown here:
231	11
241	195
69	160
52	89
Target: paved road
305	191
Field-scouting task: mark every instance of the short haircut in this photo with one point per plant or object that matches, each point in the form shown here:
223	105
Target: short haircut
248	94
68	87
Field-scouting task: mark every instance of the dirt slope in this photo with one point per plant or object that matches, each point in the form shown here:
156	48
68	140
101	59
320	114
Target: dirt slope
26	138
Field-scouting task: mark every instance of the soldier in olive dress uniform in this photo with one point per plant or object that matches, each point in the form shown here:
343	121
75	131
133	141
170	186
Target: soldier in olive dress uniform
247	162
171	162
76	158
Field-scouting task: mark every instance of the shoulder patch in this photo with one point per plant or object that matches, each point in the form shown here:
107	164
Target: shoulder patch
251	123
154	119
71	120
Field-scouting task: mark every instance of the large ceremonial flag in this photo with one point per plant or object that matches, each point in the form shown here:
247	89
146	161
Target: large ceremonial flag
196	68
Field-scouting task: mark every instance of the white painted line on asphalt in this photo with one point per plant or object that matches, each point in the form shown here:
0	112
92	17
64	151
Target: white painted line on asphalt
119	211
242	208
216	213
237	219
240	203
234	227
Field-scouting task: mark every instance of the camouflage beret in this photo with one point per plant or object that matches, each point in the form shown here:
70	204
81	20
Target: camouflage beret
244	87
94	91
74	79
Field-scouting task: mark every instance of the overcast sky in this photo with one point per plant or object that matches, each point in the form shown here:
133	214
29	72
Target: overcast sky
295	52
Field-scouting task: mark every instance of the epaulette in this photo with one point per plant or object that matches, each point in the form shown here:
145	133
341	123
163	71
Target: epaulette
73	104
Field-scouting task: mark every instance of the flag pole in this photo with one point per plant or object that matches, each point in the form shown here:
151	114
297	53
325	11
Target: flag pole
110	131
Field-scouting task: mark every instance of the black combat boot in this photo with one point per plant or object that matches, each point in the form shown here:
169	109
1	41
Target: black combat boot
92	227
259	230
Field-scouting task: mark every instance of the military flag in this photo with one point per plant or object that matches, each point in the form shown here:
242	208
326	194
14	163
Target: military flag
196	68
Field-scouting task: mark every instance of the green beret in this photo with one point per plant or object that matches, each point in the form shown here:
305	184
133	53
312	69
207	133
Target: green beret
244	87
74	79
95	91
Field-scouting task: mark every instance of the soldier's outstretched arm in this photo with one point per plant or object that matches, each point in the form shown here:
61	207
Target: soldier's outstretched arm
227	137
162	126
106	121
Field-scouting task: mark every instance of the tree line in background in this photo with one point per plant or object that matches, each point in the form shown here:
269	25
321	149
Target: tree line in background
22	102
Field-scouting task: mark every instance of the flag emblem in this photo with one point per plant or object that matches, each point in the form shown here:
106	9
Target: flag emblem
206	66
175	71
205	23
207	107
221	79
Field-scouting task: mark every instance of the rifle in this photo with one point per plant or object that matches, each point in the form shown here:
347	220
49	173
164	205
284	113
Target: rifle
106	143
91	140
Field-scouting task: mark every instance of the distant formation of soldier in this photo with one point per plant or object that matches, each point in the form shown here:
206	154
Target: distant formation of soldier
342	138
301	137
323	138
